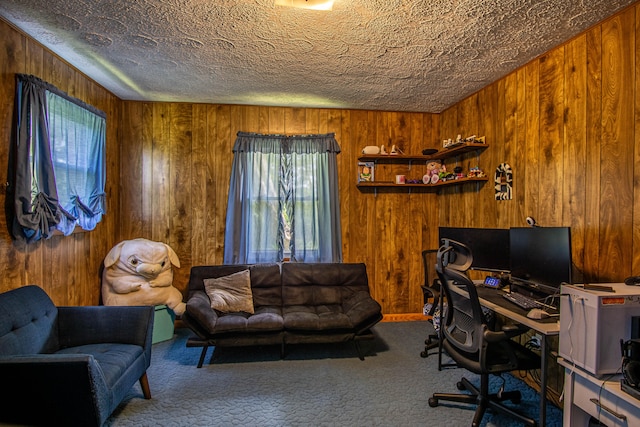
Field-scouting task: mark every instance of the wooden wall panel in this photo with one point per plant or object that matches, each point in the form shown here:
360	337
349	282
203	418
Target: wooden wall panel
569	123
487	214
636	155
616	153
551	143
133	164
198	186
527	164
180	187
66	267
575	119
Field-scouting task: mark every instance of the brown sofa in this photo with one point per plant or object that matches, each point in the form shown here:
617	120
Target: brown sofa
293	303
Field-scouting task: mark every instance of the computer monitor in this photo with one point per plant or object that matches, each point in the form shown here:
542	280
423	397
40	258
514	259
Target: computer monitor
540	257
489	246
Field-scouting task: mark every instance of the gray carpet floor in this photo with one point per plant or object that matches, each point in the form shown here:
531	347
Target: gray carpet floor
314	385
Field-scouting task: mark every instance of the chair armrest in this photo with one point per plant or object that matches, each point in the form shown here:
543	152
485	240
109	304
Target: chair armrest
362	310
97	324
69	388
199	309
506	332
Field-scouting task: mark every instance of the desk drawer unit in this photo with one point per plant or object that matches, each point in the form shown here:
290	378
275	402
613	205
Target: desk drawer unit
609	404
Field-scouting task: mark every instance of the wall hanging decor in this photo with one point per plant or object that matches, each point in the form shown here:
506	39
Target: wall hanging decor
504	182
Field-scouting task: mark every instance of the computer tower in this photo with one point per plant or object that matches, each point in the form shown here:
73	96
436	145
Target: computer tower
594	323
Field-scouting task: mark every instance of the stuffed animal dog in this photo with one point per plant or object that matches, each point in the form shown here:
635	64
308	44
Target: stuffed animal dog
139	272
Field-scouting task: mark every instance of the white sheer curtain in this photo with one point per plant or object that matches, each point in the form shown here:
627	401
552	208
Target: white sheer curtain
283	187
77	148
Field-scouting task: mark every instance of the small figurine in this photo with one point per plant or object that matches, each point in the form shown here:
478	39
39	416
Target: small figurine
365	175
475	172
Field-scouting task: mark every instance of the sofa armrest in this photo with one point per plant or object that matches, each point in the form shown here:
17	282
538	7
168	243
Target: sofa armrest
199	309
68	388
362	310
98	324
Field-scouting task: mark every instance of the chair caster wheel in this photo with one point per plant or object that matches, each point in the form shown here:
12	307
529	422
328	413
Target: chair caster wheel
423	354
460	386
433	402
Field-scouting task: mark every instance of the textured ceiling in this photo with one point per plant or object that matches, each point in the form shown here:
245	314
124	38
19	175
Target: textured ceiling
395	55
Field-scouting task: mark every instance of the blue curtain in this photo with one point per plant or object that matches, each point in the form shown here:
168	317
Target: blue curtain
57	165
283	188
33	191
312	195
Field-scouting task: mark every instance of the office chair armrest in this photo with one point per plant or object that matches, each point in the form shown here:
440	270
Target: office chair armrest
506	332
514	329
429	290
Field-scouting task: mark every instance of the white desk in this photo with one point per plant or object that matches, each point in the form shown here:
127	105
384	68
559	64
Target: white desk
586	396
490	298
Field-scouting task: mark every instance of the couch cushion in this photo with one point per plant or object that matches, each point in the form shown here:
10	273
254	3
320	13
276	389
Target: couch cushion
28	322
114	359
317	284
316	318
265	319
232	293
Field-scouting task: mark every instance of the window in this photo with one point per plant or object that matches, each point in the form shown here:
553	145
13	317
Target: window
283	200
59	165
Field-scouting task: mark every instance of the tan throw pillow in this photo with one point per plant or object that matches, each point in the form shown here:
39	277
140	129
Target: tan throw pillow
232	293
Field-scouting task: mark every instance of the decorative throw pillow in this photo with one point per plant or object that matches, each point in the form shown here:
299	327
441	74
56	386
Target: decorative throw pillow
232	293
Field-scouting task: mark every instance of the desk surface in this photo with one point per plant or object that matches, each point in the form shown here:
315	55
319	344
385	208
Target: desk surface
492	299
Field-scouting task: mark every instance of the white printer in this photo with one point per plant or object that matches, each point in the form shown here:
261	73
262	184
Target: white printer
593	322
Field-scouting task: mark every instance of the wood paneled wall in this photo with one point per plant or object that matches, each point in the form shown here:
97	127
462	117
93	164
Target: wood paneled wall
567	123
66	267
176	164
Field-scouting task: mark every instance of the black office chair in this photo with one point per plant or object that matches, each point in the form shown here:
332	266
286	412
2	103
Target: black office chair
472	344
430	291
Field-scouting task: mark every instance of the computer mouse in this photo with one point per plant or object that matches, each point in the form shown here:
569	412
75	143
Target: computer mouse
537	313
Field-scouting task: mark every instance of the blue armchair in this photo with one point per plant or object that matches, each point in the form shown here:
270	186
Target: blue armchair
74	364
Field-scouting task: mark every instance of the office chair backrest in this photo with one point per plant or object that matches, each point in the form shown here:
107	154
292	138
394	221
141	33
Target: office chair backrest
455	255
464	323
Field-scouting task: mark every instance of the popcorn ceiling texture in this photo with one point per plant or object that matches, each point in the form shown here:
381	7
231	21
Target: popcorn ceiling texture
394	55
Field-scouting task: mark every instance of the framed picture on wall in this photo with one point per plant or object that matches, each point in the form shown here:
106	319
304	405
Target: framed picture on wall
366	171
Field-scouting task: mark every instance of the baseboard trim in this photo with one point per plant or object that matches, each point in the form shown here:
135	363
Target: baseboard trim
405	317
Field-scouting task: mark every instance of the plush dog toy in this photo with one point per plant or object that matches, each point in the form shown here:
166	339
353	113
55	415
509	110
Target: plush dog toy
139	272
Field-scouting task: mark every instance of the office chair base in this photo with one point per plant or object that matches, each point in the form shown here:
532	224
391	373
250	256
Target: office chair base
430	343
475	398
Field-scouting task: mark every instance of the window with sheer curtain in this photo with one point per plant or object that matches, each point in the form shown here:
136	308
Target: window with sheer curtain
58	162
283	200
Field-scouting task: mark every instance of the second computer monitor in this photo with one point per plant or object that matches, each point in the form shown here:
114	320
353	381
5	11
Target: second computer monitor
541	257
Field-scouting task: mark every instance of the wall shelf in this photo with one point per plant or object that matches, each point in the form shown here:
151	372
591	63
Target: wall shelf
443	154
439	184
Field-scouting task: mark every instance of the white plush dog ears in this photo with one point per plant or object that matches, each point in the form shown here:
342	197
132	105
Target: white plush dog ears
114	254
173	257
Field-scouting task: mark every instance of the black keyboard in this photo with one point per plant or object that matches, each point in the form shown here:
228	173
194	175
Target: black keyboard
521	301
